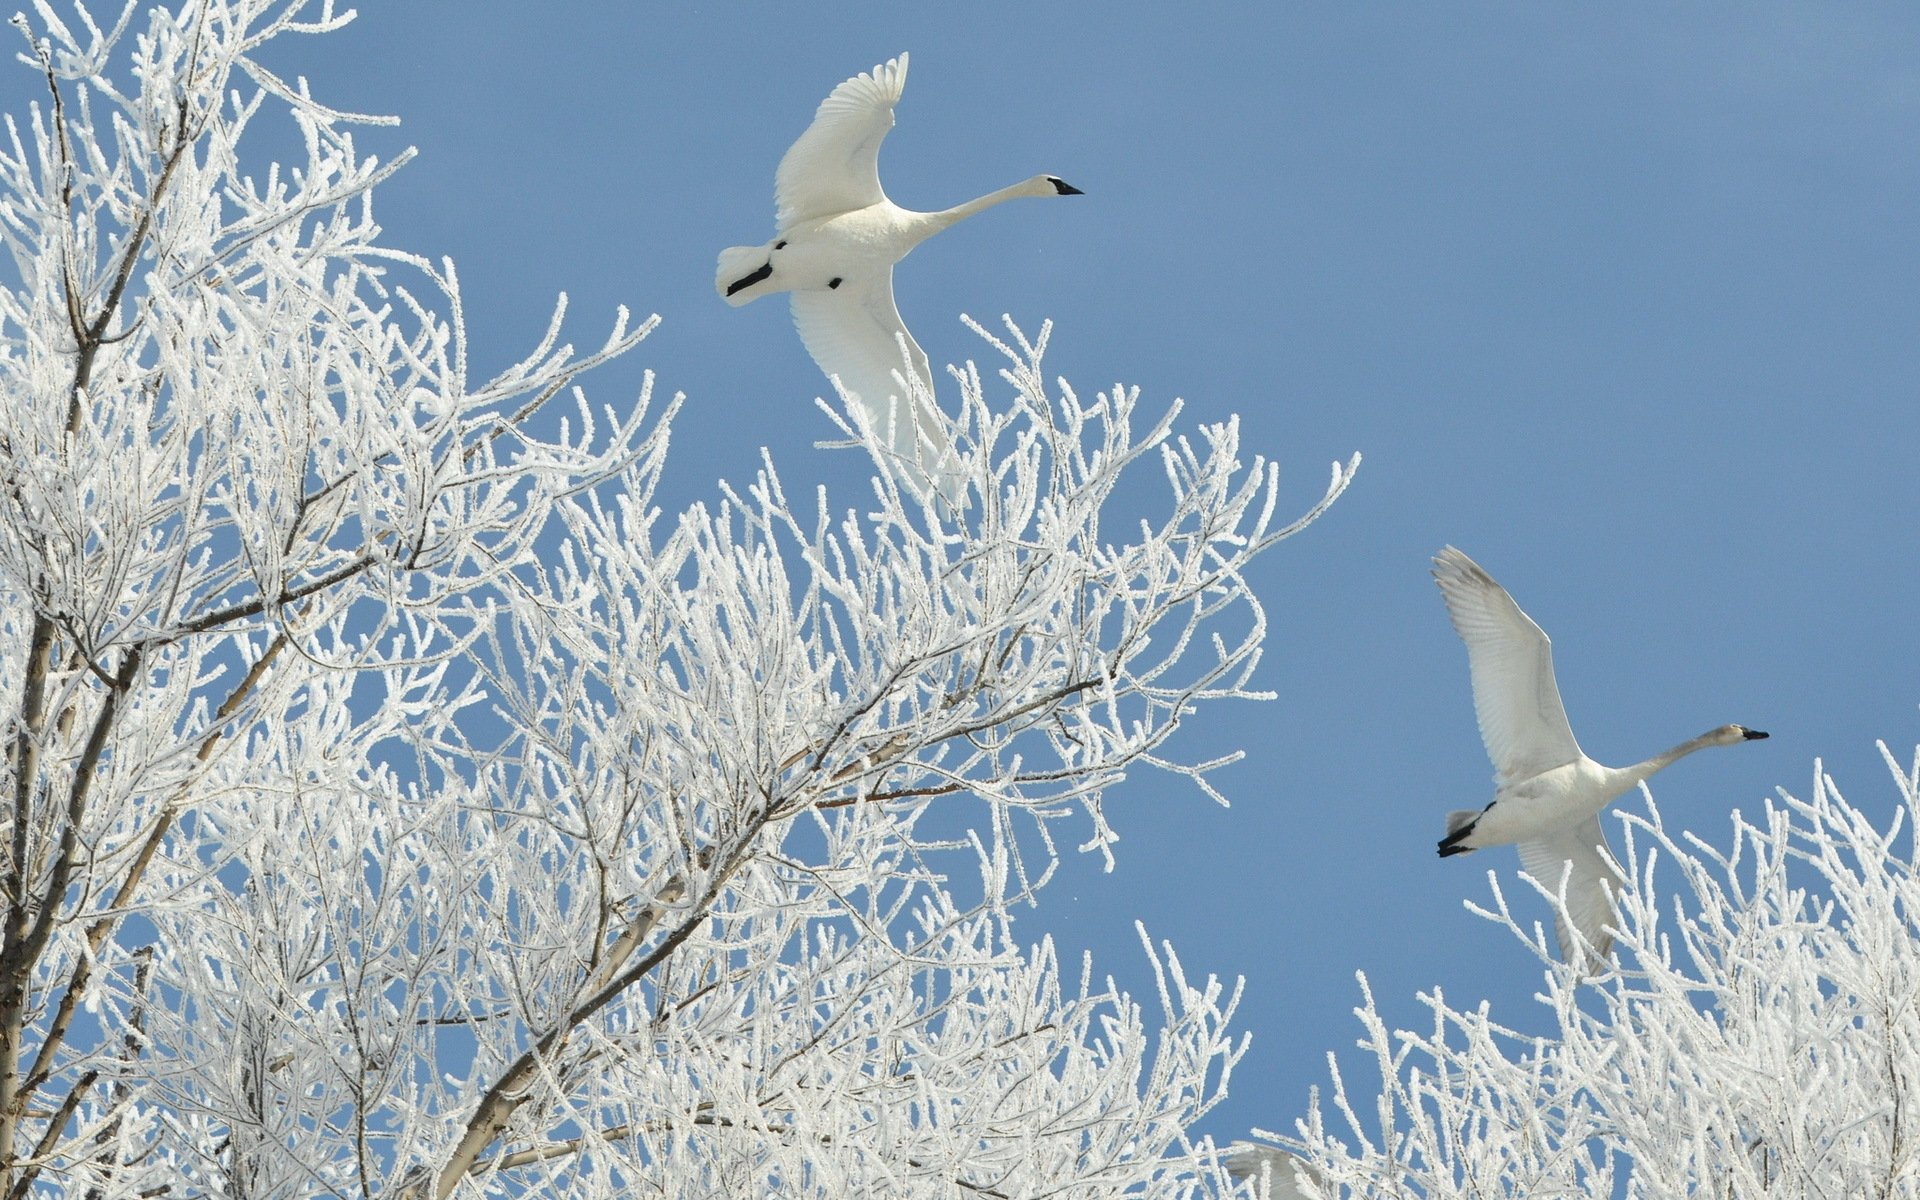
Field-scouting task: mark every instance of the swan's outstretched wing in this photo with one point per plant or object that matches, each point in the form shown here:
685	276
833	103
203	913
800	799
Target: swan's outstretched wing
1247	1160
1521	718
1590	883
854	333
835	165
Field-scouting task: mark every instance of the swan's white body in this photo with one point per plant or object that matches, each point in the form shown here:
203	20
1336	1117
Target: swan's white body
839	238
1548	793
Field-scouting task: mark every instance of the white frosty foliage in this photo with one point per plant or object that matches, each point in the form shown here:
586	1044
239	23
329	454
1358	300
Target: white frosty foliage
397	801
1759	1037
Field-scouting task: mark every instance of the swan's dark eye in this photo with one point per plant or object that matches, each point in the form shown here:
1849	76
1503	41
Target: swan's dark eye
834	282
779	245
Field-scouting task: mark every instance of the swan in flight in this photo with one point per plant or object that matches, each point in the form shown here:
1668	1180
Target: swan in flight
1548	794
839	238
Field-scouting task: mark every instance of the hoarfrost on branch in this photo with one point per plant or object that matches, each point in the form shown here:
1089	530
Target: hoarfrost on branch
400	802
1760	1035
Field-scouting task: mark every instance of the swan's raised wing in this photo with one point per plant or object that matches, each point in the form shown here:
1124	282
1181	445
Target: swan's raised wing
1521	718
835	165
855	334
1577	853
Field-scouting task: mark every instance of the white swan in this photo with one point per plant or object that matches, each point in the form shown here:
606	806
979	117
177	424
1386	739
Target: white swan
1548	793
839	238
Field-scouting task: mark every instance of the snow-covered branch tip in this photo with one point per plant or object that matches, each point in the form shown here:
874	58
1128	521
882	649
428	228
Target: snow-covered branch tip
1756	1037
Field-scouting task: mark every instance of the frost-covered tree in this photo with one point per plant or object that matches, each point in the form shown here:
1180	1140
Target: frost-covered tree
1758	1036
398	802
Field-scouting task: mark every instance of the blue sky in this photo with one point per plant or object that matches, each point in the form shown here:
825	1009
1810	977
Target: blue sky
1623	300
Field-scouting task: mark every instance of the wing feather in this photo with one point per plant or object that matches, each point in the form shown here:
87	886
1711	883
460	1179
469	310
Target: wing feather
1285	1174
855	334
1591	881
1522	720
834	167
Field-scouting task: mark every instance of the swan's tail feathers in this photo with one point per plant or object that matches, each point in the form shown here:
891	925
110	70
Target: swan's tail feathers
743	269
1460	823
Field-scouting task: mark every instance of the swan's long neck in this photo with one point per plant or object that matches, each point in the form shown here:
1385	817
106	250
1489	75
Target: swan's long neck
1639	773
937	221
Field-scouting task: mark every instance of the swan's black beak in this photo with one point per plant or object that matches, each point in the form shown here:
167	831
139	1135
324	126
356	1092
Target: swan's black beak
1064	188
1753	735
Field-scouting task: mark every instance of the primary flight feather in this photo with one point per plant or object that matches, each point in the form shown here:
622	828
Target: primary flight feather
839	238
1548	793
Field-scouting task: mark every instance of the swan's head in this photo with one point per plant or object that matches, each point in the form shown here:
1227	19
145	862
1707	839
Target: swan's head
1727	735
1053	185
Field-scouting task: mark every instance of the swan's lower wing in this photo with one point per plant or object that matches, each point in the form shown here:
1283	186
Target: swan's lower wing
855	334
1283	1171
1580	853
1515	696
834	167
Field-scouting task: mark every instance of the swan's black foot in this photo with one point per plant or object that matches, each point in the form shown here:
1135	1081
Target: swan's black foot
1460	826
747	281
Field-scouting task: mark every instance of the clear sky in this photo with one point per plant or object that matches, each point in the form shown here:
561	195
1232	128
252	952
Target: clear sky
1623	300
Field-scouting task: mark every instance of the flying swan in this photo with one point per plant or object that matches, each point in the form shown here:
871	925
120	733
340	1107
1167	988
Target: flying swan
839	238
1548	794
